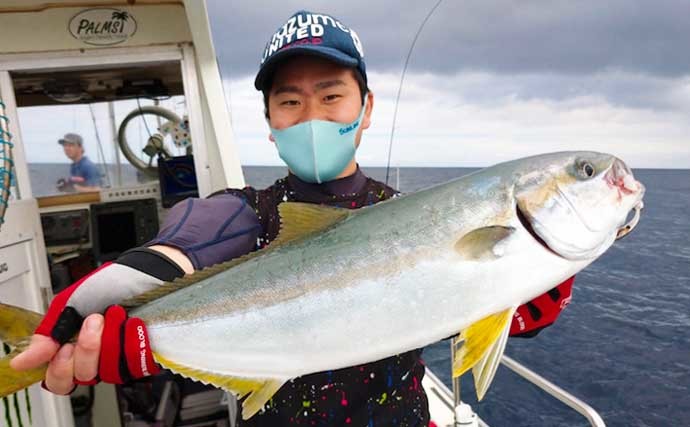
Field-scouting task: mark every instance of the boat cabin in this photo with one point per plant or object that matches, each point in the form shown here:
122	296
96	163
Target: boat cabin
148	103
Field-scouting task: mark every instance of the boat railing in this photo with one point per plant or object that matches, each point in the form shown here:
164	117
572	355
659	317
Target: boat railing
455	401
568	399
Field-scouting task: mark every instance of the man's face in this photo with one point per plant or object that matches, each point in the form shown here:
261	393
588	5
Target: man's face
72	151
310	88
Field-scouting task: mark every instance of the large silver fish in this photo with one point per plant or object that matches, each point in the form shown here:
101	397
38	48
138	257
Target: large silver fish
340	288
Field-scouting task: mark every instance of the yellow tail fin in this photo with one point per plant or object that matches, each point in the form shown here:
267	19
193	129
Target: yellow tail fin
16	327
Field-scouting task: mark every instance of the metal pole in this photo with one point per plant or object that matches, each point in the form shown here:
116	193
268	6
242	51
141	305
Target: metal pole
101	154
456	381
118	165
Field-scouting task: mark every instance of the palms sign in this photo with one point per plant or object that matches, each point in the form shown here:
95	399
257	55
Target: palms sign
122	16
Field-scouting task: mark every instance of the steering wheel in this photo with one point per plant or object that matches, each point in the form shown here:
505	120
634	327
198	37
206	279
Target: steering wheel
175	127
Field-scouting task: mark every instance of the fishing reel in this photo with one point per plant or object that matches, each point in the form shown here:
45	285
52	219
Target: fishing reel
173	134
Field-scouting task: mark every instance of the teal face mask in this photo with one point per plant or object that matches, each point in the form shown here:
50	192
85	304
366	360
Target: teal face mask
318	151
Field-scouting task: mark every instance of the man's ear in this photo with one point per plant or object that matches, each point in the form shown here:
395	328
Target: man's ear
271	138
368	107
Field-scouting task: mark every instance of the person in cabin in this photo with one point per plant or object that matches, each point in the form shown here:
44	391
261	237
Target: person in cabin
84	174
318	105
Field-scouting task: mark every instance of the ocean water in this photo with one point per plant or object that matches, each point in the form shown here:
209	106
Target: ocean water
622	345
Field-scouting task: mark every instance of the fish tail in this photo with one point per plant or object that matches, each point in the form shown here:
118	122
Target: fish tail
17	325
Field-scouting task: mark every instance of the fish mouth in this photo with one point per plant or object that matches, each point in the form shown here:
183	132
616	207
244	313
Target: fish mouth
620	233
528	226
630	225
620	177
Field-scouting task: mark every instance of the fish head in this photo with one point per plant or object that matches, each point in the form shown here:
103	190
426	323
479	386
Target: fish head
577	203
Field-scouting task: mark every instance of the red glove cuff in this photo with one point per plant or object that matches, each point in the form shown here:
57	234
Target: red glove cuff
111	345
125	348
138	349
542	311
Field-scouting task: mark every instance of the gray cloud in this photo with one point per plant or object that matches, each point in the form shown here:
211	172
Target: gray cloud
496	36
619	89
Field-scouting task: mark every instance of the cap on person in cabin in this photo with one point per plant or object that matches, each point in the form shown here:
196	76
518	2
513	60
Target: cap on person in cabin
71	138
317	34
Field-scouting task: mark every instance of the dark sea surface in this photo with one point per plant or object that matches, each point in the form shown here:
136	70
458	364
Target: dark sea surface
622	345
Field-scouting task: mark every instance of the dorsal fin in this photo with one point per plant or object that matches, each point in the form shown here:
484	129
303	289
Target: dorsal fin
258	390
297	220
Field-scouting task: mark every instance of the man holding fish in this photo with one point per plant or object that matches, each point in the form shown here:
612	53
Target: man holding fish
317	104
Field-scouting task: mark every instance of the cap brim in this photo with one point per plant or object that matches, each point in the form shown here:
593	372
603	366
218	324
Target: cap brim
329	53
64	141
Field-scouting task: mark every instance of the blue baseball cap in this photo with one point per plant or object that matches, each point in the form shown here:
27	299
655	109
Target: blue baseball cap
308	33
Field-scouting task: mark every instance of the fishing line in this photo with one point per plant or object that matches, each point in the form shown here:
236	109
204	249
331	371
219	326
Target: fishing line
402	78
141	113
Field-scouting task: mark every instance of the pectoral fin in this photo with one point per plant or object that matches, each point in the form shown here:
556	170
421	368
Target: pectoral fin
480	348
483	243
257	390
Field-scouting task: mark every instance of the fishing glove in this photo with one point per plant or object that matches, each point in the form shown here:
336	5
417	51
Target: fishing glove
532	317
207	231
125	349
134	272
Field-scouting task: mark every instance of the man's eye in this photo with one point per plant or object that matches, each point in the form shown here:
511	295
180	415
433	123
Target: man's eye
290	102
331	97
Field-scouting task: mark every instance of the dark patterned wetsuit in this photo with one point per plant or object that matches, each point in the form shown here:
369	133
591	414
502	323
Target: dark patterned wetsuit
384	393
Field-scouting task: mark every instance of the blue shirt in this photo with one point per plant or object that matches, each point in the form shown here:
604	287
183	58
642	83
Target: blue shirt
86	170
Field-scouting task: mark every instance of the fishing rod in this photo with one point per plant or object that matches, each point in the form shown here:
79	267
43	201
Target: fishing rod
402	79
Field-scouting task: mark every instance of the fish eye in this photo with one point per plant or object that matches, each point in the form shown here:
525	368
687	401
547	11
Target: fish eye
586	170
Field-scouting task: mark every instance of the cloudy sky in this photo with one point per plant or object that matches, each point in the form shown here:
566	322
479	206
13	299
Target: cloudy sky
490	80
